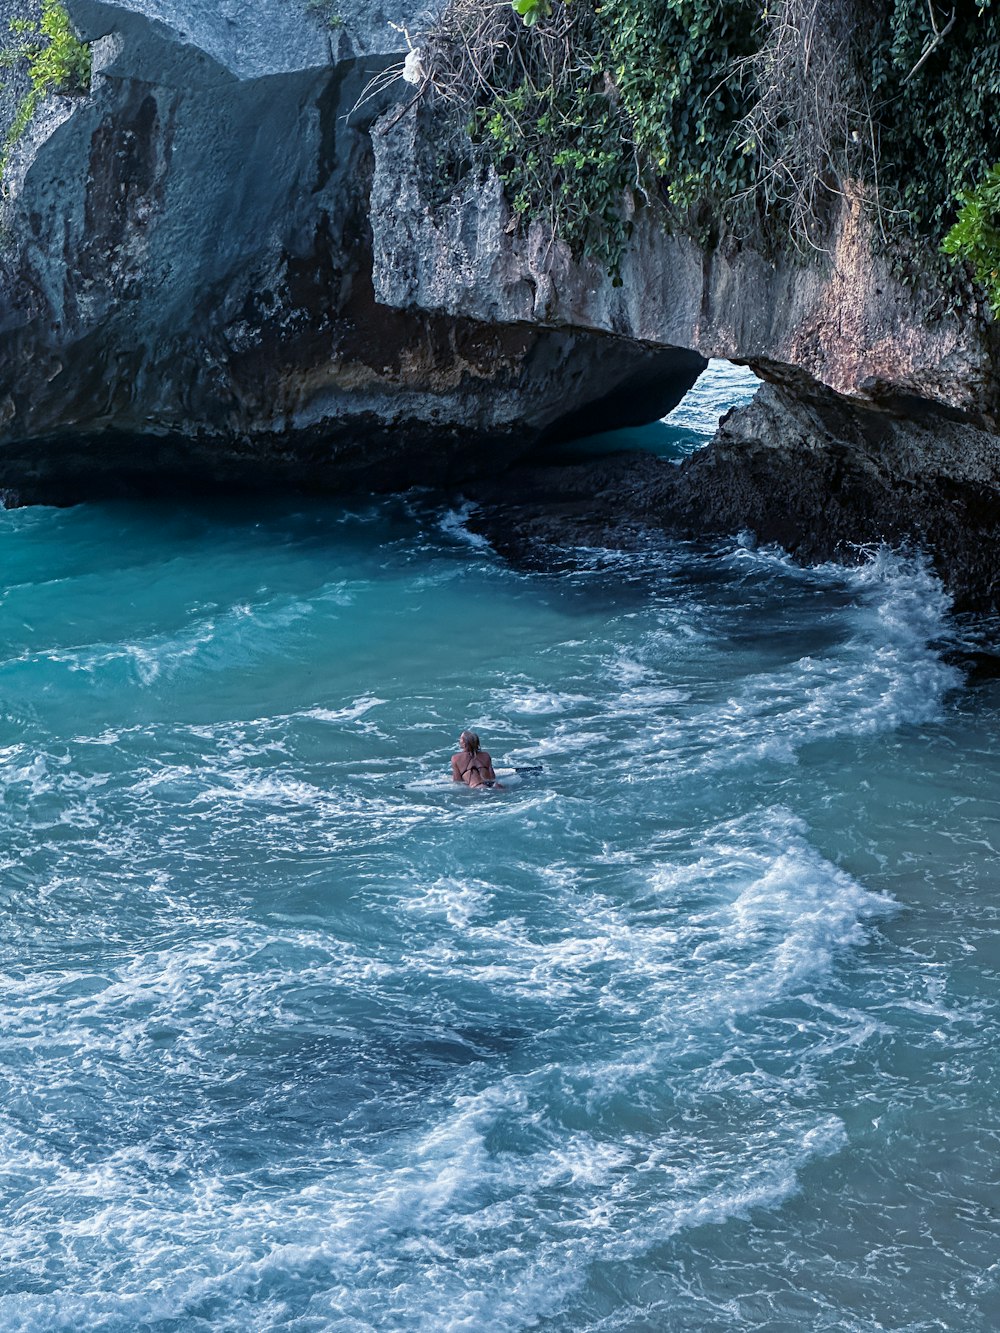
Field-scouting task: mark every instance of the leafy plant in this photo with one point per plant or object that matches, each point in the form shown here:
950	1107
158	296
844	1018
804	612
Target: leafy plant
975	237
938	124
326	12
57	61
673	64
756	115
530	11
62	62
535	101
559	153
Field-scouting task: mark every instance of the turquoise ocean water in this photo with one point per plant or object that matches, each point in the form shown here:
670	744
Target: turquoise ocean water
697	1030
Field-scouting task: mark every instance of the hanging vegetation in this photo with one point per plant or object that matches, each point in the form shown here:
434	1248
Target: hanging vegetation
754	114
56	61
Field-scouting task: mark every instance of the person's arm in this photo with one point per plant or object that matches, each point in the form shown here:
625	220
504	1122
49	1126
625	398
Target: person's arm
456	772
489	775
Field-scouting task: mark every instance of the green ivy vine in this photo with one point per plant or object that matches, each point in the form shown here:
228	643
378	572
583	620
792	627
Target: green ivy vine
589	109
556	137
673	66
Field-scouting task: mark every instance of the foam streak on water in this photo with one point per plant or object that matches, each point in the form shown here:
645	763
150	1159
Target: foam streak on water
695	1030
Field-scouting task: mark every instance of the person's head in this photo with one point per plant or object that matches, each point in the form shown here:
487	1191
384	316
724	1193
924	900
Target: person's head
469	741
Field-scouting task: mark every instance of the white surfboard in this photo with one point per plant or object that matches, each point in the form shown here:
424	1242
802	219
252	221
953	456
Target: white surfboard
509	776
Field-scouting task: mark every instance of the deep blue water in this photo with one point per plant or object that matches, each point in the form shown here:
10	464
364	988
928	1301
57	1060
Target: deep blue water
695	1030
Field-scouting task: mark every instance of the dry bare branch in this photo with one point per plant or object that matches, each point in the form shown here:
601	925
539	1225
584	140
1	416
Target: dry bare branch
810	125
934	41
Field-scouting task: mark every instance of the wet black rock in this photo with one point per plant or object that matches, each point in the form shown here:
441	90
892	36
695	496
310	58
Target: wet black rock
822	477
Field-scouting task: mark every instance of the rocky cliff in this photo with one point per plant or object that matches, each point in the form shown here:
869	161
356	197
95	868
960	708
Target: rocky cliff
878	416
186	282
213	271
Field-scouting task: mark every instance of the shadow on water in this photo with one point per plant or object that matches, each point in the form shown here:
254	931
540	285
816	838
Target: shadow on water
974	648
686	429
672	443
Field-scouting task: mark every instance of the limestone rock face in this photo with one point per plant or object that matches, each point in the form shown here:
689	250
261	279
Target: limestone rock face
216	267
186	275
877	420
839	319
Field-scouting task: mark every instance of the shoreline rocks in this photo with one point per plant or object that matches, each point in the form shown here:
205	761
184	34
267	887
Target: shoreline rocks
821	478
216	271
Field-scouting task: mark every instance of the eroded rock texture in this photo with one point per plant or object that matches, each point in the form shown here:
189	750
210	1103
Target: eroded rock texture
877	420
211	271
823	477
186	285
840	319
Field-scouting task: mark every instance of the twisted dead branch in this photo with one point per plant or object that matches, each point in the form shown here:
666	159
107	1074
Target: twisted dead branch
810	126
480	46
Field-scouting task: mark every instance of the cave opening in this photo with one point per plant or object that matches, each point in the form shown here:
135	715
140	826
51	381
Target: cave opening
689	426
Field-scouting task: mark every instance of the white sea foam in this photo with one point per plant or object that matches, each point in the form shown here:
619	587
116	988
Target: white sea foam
459	901
286	1046
214	643
757	916
428	1228
350	713
795	914
722	386
419	1222
536	700
886	674
454	525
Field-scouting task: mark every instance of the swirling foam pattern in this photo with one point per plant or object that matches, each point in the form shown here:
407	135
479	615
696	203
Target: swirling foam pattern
695	1031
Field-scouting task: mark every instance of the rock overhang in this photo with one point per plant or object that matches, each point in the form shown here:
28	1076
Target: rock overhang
211	261
193	259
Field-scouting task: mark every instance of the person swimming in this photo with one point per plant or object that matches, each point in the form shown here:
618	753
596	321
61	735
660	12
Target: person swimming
472	765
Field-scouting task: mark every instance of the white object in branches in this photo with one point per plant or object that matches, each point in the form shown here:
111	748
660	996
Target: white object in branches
413	67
